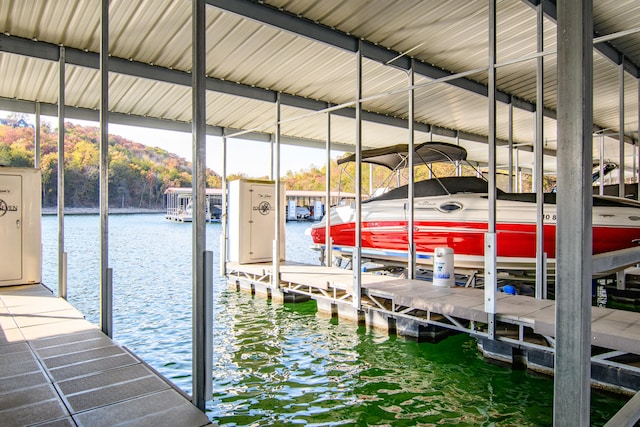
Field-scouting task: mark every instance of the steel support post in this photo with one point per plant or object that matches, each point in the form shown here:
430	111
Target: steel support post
574	234
621	127
510	141
541	278
328	241
62	276
458	162
275	274
601	184
411	264
635	166
490	249
357	247
202	351
638	142
223	215
272	143
106	307
517	170
37	139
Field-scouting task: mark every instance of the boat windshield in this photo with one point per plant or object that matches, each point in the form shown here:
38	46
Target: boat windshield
438	187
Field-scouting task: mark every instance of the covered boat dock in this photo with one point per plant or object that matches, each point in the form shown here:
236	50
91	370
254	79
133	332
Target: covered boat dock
511	81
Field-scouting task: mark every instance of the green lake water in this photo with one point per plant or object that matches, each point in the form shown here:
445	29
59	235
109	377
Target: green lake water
281	364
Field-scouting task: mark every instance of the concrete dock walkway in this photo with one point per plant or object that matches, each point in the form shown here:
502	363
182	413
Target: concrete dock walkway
58	369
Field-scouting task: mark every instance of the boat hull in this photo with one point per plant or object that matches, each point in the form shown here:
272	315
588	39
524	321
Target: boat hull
384	230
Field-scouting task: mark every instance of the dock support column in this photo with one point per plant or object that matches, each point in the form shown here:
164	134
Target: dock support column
621	189
517	170
327	203
541	278
275	273
574	234
490	250
202	260
37	139
223	214
106	277
510	144
62	276
411	264
356	264
601	184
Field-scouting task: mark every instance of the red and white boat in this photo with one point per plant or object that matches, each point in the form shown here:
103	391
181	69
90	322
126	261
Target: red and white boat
453	212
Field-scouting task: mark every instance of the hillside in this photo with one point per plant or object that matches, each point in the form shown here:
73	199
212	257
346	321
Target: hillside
138	174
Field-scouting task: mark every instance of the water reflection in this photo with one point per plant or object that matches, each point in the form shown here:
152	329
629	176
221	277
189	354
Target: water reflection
281	365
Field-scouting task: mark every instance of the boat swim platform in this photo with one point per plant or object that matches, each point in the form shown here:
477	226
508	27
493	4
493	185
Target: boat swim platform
416	309
58	369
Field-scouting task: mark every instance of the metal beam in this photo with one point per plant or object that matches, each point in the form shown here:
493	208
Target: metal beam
574	234
621	129
223	216
37	139
273	17
77	113
356	263
411	262
628	415
202	281
275	272
106	309
327	203
541	278
604	48
510	139
48	51
62	256
490	249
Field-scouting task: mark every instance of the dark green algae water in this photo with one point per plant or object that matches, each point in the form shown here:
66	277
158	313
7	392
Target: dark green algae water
281	365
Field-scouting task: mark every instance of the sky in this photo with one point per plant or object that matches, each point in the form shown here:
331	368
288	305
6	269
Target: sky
249	157
243	156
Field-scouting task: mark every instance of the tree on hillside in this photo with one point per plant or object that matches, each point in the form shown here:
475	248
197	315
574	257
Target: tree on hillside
138	175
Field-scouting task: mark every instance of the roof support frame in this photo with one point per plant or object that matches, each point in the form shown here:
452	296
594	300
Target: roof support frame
48	51
273	17
604	48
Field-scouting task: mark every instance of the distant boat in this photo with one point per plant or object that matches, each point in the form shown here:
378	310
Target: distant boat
453	212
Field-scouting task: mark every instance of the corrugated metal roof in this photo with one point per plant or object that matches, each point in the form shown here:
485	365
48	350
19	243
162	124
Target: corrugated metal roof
265	58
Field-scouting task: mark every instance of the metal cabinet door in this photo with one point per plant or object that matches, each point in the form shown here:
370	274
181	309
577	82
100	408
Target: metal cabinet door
10	227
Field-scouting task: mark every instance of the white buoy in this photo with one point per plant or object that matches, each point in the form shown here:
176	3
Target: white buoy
443	272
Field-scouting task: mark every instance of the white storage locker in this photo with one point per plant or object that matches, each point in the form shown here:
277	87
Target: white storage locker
252	220
20	225
318	210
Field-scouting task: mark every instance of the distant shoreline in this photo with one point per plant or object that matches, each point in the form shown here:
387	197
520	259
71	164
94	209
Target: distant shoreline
96	211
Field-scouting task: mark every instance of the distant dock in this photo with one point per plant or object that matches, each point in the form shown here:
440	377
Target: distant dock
56	368
96	211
